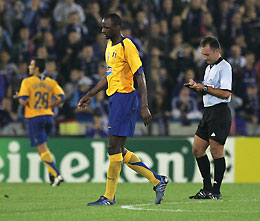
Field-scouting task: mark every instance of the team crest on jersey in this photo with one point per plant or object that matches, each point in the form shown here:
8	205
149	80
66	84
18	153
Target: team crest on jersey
114	54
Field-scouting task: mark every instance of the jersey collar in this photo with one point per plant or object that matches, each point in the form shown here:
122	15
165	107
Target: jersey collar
217	62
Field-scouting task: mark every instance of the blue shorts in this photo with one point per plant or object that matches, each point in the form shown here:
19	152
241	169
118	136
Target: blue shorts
123	109
39	128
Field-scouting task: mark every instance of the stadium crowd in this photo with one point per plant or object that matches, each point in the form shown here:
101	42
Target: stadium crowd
67	33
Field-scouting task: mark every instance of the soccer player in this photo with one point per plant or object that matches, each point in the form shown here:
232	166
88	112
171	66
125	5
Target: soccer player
36	95
214	126
123	64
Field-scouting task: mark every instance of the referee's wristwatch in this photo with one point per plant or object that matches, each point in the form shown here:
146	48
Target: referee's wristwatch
205	89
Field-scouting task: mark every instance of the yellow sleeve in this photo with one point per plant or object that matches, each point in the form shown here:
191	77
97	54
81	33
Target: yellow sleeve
24	90
58	90
132	56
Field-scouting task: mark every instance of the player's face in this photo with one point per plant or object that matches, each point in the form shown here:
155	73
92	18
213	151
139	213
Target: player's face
108	29
32	67
210	55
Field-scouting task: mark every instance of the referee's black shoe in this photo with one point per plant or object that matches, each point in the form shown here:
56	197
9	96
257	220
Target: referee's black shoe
202	195
216	196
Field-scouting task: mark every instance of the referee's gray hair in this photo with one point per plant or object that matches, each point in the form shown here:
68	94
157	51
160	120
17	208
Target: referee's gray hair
211	41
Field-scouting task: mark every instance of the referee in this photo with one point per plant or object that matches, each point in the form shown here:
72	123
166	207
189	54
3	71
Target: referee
214	126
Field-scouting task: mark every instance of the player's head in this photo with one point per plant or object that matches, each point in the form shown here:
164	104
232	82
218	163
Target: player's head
37	66
111	25
210	49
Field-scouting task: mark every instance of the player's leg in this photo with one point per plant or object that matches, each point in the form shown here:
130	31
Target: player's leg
219	131
39	128
115	157
133	162
159	182
199	150
47	159
115	163
217	152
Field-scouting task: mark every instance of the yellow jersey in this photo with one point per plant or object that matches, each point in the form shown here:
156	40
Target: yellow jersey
123	62
39	93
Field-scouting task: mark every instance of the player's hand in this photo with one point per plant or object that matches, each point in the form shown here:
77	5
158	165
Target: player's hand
16	95
190	84
198	87
83	103
146	115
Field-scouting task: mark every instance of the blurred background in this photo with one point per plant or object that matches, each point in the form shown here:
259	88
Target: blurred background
67	33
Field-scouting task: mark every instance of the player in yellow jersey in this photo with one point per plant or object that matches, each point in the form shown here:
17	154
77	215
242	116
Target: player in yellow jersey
123	64
36	95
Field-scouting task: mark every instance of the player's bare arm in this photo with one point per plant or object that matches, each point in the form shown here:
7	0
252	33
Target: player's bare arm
84	101
57	102
145	112
21	101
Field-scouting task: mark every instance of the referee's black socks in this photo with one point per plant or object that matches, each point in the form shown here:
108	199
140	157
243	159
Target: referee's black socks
204	167
219	170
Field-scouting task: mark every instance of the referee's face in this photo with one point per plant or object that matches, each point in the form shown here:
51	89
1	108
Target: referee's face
210	55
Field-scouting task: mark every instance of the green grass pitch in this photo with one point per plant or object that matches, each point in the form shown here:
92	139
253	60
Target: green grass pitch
27	201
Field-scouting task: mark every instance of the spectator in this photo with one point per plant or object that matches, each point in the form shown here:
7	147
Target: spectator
207	26
246	75
52	72
100	117
189	74
176	25
235	27
161	114
140	26
5	40
74	24
4	86
64	8
184	107
235	103
42	52
24	47
127	32
99	46
93	22
40	28
101	71
69	53
251	108
252	28
7	114
88	63
51	46
7	17
222	15
236	60
6	66
192	16
84	85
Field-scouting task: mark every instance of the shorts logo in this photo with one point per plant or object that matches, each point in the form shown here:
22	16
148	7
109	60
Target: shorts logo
213	134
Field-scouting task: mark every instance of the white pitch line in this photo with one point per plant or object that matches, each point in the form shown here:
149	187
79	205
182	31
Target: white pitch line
140	207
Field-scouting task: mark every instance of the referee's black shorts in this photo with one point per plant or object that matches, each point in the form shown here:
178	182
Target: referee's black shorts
215	123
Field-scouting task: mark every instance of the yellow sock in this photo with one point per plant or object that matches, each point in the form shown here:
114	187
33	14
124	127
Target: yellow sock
113	175
49	163
137	165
